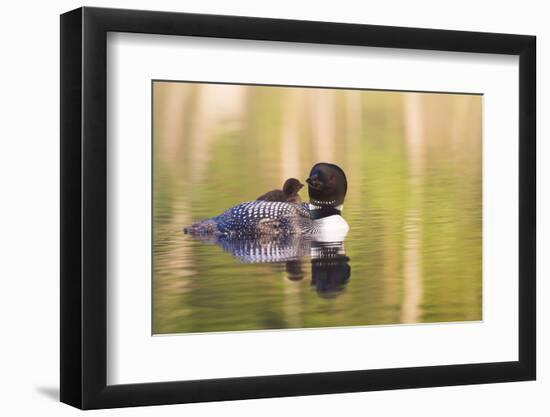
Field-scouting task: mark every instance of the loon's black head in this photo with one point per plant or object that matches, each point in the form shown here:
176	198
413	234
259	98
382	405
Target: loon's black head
327	185
292	186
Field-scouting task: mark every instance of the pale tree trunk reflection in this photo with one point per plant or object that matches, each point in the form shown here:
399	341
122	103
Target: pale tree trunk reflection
353	138
169	105
322	107
412	270
290	140
215	105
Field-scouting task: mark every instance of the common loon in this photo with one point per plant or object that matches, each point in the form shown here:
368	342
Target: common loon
327	187
288	194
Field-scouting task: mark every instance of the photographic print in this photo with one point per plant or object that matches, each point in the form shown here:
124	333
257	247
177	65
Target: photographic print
281	207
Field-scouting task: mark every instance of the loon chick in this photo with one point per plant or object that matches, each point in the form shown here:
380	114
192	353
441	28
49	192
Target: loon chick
327	187
288	194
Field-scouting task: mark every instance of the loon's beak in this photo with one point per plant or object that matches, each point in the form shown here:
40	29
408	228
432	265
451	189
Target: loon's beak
314	183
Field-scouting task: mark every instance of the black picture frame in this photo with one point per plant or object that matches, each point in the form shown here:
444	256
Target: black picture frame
84	207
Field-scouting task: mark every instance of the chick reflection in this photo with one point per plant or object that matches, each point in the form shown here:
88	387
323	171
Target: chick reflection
294	270
330	270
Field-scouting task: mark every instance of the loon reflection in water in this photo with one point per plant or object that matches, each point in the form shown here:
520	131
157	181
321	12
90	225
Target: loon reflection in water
330	270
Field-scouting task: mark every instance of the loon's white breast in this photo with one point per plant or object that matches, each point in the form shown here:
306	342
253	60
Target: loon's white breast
330	229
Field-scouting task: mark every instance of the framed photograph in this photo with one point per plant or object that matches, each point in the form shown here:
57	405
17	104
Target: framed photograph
257	207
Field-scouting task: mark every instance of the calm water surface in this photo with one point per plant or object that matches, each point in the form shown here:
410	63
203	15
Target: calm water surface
413	163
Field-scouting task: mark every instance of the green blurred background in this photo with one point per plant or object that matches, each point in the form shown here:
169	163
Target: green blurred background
414	203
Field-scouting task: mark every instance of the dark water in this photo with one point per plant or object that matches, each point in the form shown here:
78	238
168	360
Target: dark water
413	251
